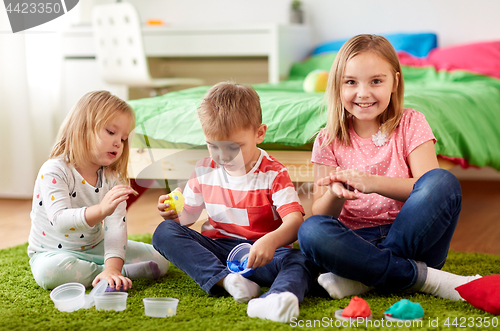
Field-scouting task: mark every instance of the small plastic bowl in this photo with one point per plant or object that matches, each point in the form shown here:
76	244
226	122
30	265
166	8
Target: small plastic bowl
111	301
98	289
68	297
239	253
160	307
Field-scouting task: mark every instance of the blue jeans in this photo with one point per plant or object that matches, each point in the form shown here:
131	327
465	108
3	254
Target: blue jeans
204	260
390	257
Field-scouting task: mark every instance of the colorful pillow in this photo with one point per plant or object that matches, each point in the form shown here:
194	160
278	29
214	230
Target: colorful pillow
483	293
481	58
417	44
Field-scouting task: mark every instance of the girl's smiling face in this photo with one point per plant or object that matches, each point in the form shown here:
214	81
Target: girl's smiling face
367	86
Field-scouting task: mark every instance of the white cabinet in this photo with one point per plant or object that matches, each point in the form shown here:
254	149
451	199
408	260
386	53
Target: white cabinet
281	44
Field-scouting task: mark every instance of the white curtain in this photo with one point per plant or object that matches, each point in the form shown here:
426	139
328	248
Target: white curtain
30	66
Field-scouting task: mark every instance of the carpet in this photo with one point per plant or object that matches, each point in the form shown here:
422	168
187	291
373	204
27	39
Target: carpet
26	306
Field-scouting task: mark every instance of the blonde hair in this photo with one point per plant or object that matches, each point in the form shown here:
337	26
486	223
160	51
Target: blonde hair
77	137
228	107
337	126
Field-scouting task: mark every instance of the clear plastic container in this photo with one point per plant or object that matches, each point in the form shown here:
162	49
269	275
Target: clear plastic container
160	307
68	297
111	301
240	253
98	289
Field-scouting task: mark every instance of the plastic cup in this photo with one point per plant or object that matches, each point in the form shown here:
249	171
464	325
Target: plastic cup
68	297
239	253
111	301
160	307
98	289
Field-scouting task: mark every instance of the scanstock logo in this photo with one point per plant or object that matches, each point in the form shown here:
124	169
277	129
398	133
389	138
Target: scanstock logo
26	14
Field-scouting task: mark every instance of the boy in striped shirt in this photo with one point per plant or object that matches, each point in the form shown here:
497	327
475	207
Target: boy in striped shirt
249	197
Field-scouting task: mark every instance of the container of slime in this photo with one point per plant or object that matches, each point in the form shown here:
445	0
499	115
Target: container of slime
237	260
160	307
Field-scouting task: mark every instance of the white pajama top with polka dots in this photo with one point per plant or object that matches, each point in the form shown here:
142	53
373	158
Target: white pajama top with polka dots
60	198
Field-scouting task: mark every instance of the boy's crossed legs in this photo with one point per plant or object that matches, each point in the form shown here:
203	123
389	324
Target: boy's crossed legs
289	274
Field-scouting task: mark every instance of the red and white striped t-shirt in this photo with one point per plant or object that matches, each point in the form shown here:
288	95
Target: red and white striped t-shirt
246	207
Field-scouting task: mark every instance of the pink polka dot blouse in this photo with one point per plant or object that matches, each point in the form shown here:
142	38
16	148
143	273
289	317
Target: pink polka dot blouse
388	160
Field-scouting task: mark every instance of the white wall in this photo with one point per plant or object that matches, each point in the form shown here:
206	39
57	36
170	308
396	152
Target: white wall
455	21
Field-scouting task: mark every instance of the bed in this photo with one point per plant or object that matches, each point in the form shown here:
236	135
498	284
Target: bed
457	89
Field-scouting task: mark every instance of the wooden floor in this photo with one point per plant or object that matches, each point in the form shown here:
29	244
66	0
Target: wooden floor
478	228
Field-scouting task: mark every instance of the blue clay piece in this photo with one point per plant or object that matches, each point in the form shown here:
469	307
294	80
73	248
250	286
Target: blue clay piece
238	266
234	265
405	310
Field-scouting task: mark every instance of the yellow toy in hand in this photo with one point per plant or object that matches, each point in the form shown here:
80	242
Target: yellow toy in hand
176	201
315	81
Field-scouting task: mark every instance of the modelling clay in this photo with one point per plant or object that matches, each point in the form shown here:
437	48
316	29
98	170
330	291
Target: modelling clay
238	266
405	310
109	289
357	307
176	201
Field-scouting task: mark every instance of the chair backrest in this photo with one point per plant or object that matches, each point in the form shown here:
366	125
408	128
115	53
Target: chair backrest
119	45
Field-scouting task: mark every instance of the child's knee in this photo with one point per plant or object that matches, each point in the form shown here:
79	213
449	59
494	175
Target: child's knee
165	236
309	231
53	271
439	184
441	179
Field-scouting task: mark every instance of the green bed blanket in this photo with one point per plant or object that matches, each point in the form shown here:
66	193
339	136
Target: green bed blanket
463	110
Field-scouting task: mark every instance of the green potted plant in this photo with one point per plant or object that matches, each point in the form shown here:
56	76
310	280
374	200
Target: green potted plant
296	14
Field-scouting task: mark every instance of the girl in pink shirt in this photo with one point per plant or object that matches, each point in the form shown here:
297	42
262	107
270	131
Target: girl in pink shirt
384	213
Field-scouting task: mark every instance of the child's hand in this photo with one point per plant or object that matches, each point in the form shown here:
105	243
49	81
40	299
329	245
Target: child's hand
339	185
114	278
169	214
356	179
113	198
261	253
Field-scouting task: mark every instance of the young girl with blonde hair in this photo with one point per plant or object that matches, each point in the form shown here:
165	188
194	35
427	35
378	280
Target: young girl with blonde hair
383	212
78	219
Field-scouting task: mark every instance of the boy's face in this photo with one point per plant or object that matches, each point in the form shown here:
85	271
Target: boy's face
238	152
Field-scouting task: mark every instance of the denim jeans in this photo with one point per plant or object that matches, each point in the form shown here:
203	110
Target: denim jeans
390	257
204	260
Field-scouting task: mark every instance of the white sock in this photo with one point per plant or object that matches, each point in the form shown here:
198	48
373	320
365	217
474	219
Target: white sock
240	288
442	284
278	307
147	269
340	287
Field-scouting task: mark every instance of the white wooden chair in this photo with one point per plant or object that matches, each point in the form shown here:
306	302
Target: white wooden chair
120	49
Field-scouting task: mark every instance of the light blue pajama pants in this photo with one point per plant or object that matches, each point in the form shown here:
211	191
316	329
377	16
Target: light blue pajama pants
54	268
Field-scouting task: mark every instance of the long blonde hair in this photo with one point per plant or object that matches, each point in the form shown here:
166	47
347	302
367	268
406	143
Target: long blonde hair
337	126
77	137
